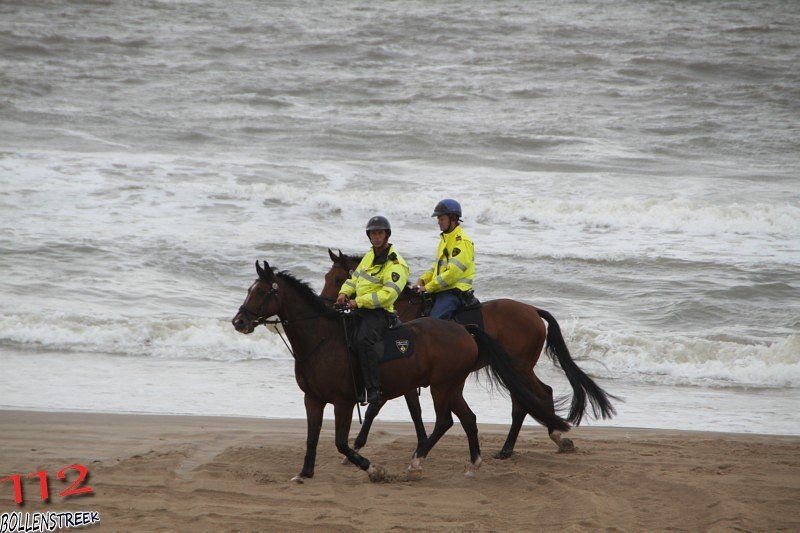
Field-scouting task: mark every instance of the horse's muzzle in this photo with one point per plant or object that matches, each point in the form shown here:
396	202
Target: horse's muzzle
241	325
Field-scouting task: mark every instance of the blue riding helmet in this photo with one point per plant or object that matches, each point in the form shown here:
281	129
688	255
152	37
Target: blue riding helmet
448	206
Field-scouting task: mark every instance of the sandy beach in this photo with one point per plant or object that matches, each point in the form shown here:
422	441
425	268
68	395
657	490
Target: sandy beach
183	473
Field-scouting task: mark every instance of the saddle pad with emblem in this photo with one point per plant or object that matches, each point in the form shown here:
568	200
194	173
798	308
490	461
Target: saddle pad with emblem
397	343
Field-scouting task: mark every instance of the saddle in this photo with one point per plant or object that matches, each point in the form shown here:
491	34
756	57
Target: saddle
468	313
470	316
398	341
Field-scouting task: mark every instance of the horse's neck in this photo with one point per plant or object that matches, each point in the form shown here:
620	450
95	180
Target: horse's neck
305	327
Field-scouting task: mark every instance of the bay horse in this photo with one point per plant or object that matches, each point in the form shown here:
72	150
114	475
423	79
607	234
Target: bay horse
445	354
519	329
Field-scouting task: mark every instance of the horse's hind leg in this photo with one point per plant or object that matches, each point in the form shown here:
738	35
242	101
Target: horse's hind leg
469	423
545	392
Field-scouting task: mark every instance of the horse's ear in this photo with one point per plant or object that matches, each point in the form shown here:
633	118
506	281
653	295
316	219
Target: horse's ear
332	255
341	257
263	273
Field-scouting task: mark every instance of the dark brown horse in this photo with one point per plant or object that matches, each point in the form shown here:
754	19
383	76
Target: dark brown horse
444	355
519	329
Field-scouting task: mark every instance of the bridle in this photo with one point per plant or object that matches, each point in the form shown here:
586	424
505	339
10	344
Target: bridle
257	317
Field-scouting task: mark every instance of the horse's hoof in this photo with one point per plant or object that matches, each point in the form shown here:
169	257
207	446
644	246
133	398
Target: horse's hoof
299	480
566	446
413	473
503	454
472	468
414	470
377	473
346	461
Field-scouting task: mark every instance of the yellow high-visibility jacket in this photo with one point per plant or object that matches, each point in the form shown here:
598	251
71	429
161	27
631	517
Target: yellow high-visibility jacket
377	286
454	267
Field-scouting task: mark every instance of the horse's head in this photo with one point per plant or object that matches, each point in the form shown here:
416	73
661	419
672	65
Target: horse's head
262	301
339	273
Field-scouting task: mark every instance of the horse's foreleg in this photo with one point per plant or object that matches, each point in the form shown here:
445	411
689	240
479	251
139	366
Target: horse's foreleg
414	409
314	408
369	417
343	415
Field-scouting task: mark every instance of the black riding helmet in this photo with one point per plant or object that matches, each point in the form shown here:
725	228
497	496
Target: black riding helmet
379	223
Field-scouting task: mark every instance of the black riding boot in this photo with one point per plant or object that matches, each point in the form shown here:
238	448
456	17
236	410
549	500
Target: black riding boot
369	339
372	380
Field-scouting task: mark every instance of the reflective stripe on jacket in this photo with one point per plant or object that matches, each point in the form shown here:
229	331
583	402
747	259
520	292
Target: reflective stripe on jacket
454	267
377	286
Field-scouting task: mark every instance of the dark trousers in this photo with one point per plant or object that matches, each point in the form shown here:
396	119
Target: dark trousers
445	304
372	325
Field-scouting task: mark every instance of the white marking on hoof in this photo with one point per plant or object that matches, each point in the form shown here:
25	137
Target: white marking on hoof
555	436
298	479
472	469
415	468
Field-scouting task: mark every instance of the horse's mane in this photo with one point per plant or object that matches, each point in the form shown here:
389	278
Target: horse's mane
306	292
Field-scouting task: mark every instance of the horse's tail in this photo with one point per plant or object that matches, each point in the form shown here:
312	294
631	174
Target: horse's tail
501	370
582	385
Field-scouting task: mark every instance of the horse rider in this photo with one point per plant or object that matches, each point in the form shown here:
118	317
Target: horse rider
449	280
376	283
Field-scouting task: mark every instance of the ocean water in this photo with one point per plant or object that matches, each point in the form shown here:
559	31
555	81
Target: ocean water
632	167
